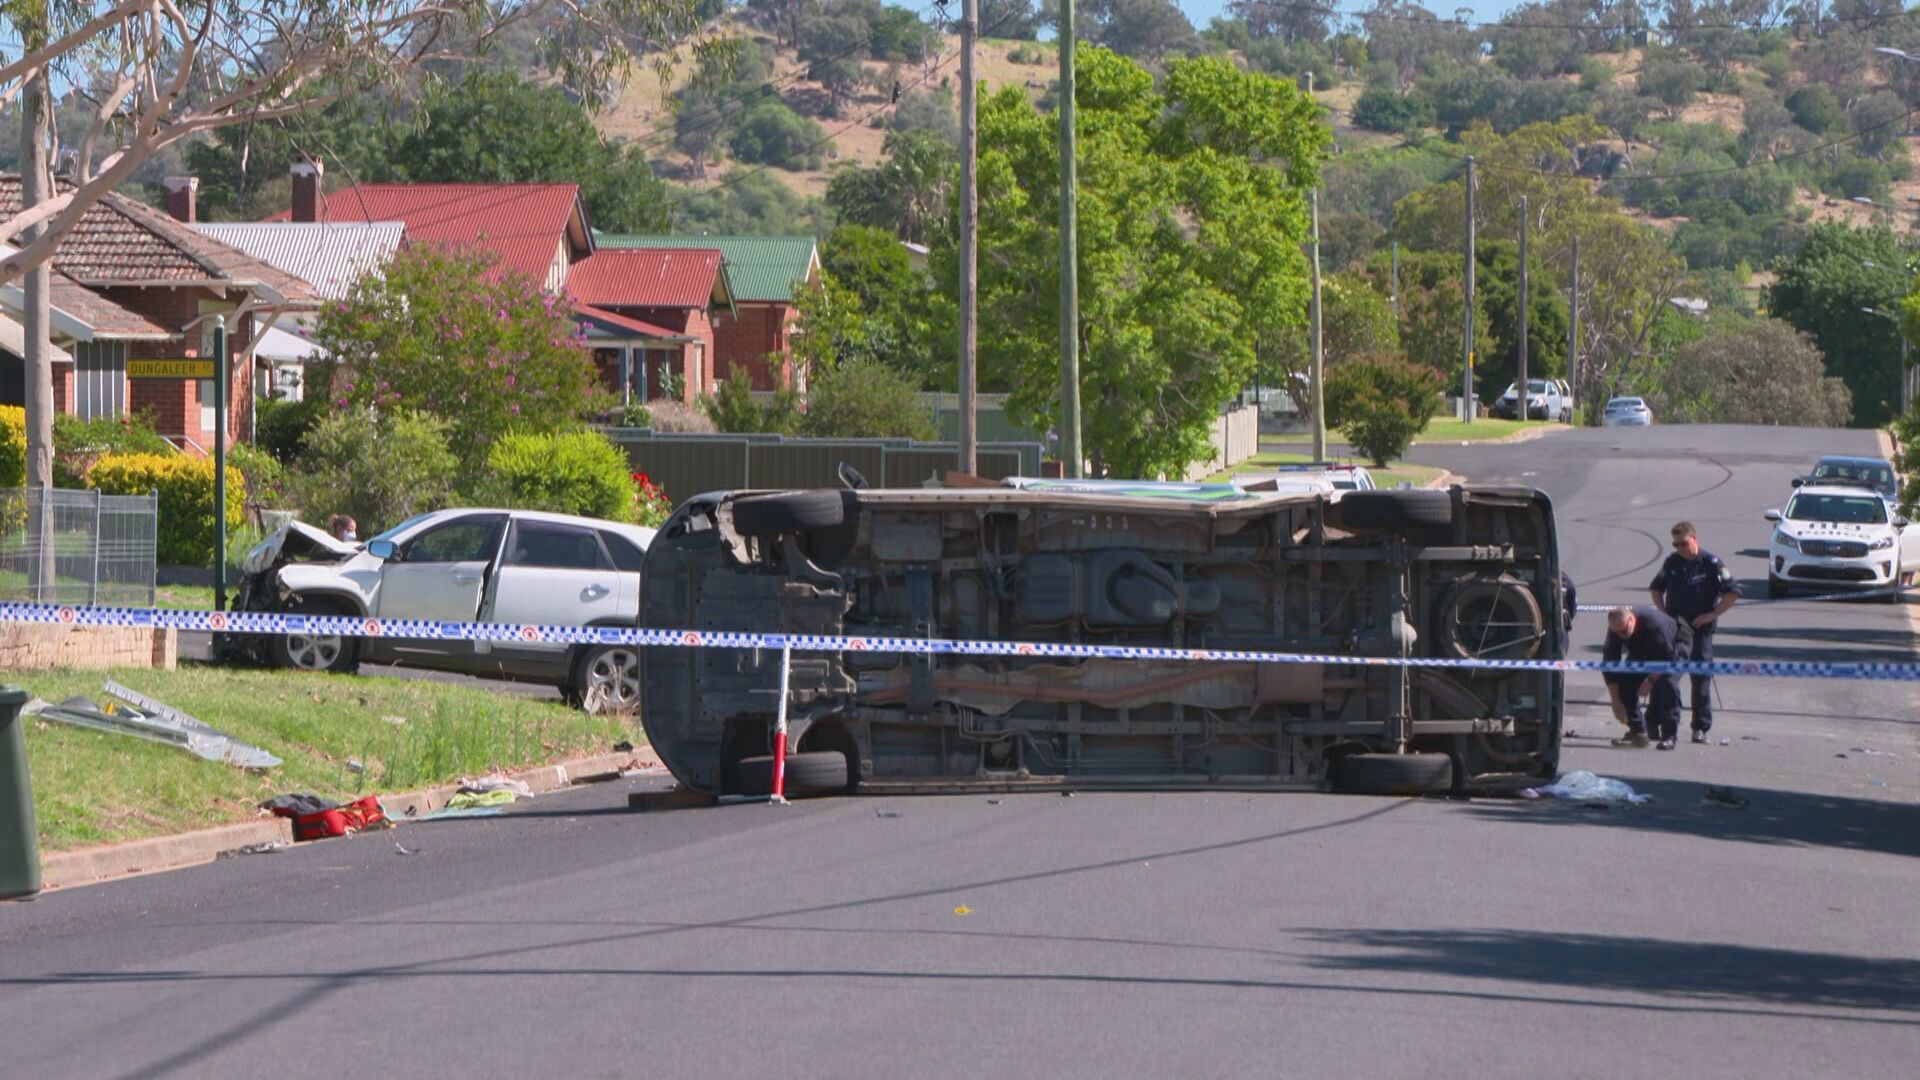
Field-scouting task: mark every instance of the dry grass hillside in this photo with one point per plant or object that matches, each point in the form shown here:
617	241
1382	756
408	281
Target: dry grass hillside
644	114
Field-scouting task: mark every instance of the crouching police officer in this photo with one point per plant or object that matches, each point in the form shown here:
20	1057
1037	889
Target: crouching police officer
1696	588
1644	633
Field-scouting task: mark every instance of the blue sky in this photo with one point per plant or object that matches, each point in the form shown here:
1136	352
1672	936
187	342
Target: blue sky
1203	11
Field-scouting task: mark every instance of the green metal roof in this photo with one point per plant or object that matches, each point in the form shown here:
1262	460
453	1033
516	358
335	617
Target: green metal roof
762	268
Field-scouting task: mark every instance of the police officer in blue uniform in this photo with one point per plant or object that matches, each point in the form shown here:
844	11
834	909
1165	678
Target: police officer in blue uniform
1695	587
1645	633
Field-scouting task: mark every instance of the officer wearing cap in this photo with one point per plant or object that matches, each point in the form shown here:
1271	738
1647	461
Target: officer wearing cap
1696	588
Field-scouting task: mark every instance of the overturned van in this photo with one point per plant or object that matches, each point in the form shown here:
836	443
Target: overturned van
1470	573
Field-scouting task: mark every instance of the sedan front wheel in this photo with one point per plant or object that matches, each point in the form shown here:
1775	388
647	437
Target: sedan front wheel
315	652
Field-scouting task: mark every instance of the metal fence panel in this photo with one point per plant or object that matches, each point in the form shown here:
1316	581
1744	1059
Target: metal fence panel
78	547
688	467
814	463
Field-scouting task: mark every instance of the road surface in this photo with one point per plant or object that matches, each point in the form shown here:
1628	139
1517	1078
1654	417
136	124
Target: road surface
1105	934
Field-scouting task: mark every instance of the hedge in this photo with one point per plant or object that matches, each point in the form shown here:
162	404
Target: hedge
13	446
185	485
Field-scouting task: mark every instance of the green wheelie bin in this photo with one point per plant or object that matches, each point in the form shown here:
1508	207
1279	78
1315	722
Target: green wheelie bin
19	831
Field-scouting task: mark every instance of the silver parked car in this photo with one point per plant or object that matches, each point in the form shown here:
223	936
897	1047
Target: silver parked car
1627	412
467	565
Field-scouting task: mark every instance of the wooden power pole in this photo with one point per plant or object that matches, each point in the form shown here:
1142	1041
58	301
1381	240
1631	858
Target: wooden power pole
1316	372
1466	346
1520	387
969	241
1072	457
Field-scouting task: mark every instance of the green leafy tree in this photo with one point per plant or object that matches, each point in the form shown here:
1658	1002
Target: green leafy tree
733	408
1386	110
1497	281
1141	29
1751	371
1816	109
908	193
1192	213
770	133
493	126
440	330
756	204
1380	404
1821	291
380	467
897	308
865	399
568	472
1015	20
1355	321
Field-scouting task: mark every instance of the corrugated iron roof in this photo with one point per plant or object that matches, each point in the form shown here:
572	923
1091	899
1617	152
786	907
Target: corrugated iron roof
649	278
328	255
761	269
523	224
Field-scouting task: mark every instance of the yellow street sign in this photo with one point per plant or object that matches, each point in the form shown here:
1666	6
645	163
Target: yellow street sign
186	367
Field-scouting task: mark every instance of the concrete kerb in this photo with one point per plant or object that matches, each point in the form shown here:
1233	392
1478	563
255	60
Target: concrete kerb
90	866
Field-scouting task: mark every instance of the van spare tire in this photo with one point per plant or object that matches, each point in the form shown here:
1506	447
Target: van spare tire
1391	509
791	511
1491	618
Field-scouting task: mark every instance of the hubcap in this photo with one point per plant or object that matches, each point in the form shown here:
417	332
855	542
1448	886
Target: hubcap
613	681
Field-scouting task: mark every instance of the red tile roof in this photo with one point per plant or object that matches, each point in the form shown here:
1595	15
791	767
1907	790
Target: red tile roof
648	277
632	326
110	321
524	224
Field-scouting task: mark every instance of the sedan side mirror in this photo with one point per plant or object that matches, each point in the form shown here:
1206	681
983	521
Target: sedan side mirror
1773	515
380	549
1797	481
1901	523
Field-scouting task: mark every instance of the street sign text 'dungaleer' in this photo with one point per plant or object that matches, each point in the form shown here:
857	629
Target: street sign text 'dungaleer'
181	367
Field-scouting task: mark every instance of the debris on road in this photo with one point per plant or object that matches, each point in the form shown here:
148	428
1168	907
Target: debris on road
404	850
265	848
877	812
623	748
154	721
481	800
1584	787
488	784
315	818
1725	796
449	812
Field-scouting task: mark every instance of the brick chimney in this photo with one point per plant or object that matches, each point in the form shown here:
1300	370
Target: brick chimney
307	173
183	197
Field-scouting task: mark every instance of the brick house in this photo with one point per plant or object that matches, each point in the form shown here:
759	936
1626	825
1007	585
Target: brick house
667	303
642	326
131	283
766	273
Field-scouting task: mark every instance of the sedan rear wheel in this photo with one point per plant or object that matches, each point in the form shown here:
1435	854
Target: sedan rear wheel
609	680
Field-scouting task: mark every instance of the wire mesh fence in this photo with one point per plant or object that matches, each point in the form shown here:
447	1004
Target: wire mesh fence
78	547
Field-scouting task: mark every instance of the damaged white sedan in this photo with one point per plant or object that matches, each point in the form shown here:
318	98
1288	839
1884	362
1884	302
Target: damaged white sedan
469	565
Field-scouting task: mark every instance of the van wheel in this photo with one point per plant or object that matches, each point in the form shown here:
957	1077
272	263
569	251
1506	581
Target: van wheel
1492	619
316	652
792	511
1394	774
813	772
1391	509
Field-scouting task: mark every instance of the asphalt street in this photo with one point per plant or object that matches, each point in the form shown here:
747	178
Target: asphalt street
1104	934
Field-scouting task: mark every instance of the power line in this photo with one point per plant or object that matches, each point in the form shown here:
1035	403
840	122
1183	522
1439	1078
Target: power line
1433	19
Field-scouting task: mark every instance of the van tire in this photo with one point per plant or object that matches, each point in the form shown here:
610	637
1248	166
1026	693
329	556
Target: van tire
1391	509
792	511
1394	774
1510	602
812	772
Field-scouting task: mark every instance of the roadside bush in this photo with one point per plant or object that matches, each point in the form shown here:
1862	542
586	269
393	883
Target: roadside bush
280	427
266	478
78	444
770	133
1381	403
1384	110
185	485
574	472
382	468
866	399
13	446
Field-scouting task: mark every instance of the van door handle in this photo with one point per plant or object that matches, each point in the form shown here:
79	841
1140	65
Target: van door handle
595	592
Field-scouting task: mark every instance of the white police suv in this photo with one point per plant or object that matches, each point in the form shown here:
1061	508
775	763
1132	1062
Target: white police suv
1838	536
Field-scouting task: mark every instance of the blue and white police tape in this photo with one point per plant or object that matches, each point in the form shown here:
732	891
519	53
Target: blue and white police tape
255	622
1855	594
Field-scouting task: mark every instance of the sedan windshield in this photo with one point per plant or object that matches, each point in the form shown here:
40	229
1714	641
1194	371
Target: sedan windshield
1845	509
400	528
1876	474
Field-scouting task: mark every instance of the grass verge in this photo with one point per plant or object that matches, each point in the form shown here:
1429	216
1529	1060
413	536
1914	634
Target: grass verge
1392	476
1440	429
91	787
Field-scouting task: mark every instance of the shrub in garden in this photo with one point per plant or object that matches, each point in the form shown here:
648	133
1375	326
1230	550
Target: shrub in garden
733	408
78	444
677	416
1381	403
13	446
573	472
280	427
382	468
185	485
866	399
651	506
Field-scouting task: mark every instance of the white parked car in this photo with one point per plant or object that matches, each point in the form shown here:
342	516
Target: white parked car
1341	477
473	565
1545	401
1838	537
1627	412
